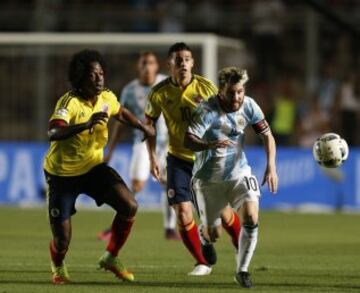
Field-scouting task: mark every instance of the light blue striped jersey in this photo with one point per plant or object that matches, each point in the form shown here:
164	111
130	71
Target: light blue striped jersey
211	123
134	98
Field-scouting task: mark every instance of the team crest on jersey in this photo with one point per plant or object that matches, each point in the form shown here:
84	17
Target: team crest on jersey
82	114
198	99
241	121
62	112
105	108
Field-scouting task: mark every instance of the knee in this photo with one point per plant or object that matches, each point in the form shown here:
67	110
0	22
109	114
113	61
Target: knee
250	219
62	243
137	186
184	216
132	208
227	214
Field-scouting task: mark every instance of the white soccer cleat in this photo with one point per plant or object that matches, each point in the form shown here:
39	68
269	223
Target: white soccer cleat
200	270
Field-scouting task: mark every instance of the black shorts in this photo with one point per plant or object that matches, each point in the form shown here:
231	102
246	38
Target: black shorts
179	173
63	190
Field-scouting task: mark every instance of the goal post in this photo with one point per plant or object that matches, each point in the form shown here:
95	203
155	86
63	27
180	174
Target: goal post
22	51
209	43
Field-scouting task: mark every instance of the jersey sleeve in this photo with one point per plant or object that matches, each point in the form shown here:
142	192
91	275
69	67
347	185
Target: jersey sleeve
258	120
153	108
200	122
114	104
64	109
213	90
208	88
124	97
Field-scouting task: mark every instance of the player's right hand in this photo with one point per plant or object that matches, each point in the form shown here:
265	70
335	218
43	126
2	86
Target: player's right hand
220	144
97	118
155	170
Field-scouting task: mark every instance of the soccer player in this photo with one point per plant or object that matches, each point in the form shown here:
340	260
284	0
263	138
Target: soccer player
134	97
74	163
221	173
175	98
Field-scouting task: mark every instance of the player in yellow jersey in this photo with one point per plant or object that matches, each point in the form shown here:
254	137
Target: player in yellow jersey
74	163
176	97
134	97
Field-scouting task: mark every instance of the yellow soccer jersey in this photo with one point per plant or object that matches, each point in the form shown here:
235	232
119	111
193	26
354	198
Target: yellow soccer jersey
177	106
76	155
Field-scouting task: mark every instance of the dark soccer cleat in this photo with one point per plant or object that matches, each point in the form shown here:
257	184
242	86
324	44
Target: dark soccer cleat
243	279
209	253
207	248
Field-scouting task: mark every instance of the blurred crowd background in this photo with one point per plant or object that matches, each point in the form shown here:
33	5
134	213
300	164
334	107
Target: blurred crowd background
302	56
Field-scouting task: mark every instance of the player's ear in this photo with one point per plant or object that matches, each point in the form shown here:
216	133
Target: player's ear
168	63
157	66
192	62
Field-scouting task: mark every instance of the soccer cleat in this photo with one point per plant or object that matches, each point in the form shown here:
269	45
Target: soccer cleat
113	264
60	274
207	248
171	234
209	253
243	279
200	270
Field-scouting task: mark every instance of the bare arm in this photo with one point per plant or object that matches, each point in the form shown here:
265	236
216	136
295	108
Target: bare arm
270	175
127	117
196	144
114	133
151	146
61	131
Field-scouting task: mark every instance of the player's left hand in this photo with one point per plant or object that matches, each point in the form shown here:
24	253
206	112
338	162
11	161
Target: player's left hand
271	178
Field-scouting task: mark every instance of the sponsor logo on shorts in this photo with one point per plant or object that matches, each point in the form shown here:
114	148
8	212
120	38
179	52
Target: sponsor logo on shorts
171	193
54	212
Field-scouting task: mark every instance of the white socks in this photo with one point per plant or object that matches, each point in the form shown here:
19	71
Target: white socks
247	244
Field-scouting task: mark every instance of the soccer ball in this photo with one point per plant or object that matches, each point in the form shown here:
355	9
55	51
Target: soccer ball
330	150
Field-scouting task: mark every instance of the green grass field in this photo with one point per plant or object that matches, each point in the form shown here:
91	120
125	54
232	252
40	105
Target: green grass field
296	253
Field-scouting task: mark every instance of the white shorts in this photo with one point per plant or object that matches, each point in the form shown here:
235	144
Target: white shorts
140	163
212	197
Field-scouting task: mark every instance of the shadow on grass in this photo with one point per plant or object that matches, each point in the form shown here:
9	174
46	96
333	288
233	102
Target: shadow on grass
191	284
186	285
308	285
32	271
